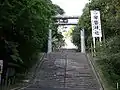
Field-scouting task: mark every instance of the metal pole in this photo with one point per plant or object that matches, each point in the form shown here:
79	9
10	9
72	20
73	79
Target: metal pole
94	42
92	49
82	41
104	36
50	41
100	39
117	86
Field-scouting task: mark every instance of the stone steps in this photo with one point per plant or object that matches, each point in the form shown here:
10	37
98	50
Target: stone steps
48	88
55	74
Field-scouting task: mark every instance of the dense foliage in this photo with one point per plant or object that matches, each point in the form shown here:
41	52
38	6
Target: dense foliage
24	26
109	52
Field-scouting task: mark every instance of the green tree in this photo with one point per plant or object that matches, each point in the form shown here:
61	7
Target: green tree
108	53
24	26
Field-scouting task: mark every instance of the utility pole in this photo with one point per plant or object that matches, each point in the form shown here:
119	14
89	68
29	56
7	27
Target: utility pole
82	41
50	41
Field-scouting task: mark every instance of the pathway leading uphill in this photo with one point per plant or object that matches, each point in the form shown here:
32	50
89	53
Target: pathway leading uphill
65	70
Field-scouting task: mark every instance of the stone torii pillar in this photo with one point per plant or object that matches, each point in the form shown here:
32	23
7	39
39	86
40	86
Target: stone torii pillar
59	17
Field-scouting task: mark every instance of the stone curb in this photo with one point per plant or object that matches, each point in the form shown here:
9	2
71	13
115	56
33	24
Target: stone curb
92	64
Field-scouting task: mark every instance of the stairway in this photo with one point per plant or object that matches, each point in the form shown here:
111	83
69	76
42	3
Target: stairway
65	70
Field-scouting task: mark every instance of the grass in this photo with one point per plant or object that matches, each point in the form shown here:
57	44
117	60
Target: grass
104	80
106	83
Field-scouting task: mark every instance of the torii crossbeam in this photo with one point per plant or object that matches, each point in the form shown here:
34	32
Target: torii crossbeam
60	17
65	17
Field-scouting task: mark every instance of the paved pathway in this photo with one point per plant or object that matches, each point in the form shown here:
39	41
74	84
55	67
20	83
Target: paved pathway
65	70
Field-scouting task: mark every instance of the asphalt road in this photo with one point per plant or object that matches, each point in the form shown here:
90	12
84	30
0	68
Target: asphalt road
65	70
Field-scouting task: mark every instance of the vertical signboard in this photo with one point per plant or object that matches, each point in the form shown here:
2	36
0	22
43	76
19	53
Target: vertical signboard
96	23
1	68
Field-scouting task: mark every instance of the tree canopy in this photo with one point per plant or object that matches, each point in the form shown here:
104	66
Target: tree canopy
108	53
24	26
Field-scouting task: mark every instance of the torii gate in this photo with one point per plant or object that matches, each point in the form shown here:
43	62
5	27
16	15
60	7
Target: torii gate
59	17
